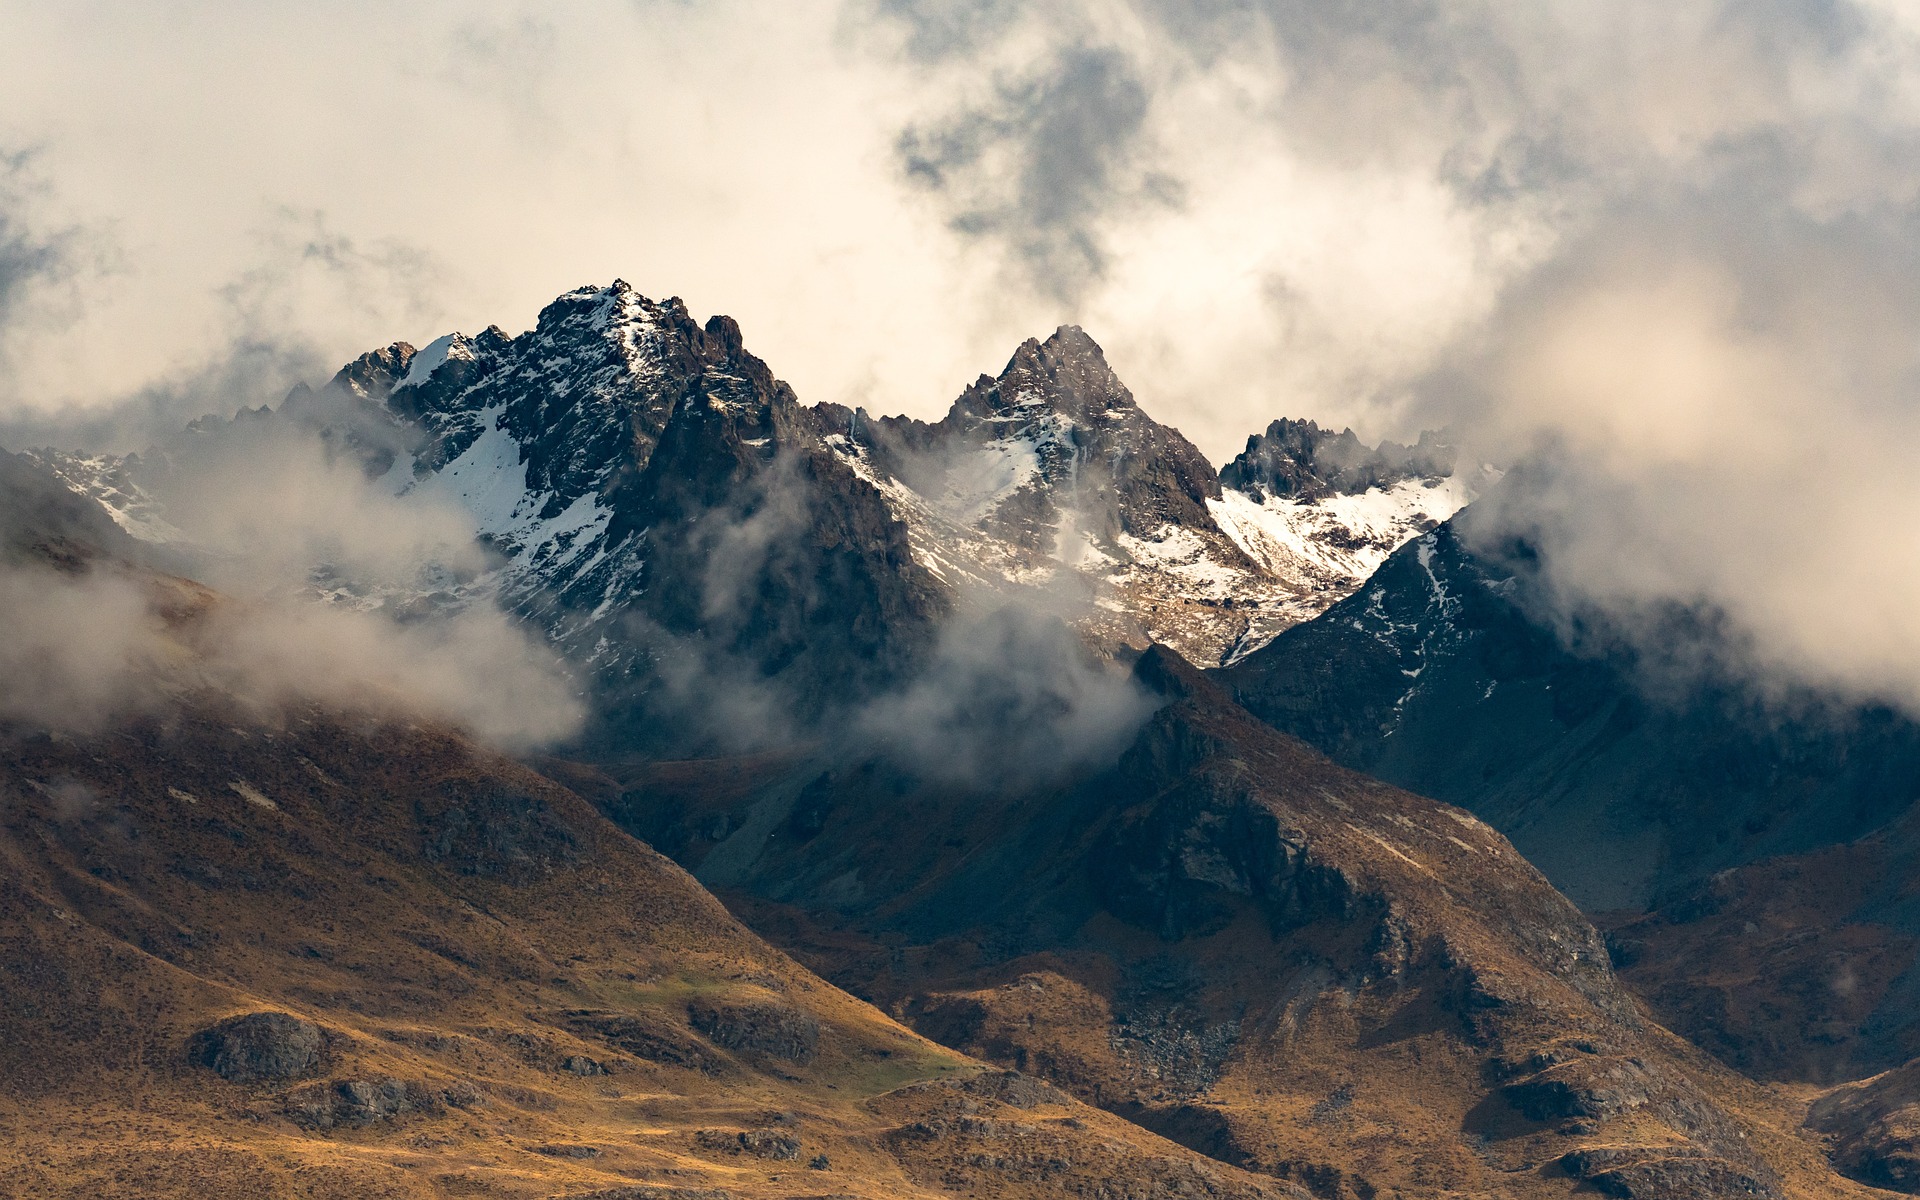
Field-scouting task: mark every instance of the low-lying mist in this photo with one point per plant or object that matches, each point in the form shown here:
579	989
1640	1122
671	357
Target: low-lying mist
1010	697
85	650
328	588
1005	692
1719	421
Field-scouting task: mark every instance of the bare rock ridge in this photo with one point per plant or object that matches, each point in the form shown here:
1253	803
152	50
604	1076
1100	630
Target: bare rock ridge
1075	446
614	455
1300	459
1232	941
1745	846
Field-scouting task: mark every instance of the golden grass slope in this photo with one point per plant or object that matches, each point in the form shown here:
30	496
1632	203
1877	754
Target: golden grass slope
516	999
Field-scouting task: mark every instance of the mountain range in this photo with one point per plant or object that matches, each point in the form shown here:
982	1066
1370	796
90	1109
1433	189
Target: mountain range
1088	821
619	441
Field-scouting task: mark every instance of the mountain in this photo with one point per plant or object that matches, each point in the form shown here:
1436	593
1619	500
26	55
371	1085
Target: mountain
1246	969
1051	475
658	505
1747	844
1232	941
313	951
1301	460
44	520
663	509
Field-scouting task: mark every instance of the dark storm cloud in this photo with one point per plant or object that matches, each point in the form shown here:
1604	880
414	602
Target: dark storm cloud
939	30
35	263
24	258
1042	162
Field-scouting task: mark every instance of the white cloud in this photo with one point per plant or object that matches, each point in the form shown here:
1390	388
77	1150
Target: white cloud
1664	240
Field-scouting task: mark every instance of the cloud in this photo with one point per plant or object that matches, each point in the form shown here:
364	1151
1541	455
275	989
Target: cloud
1010	697
35	261
25	256
1393	216
519	150
87	649
331	590
1660	254
269	329
1360	187
1715	405
78	650
1042	161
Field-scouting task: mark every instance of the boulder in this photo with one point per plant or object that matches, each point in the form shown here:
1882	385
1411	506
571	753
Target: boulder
259	1046
762	1027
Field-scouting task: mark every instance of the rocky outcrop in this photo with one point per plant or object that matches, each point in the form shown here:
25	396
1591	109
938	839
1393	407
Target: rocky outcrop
645	1035
1300	460
481	830
766	1028
258	1047
1873	1129
361	1102
1642	1173
1241	946
774	1144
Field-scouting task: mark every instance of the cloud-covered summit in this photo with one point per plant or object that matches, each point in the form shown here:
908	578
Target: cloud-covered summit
1662	246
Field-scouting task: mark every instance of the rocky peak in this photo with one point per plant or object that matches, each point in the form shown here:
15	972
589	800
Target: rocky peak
1082	450
653	487
1300	459
375	374
1065	377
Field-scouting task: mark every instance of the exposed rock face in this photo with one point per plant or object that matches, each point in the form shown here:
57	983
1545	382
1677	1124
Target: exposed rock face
352	1102
763	1028
1051	472
1070	444
481	830
645	1035
674	505
1759	829
1239	945
1874	1129
1635	1173
1300	459
255	1047
760	1143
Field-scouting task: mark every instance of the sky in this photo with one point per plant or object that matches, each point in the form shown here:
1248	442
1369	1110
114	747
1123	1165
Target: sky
1668	248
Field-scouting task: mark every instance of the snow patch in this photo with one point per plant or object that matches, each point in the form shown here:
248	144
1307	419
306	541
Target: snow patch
431	358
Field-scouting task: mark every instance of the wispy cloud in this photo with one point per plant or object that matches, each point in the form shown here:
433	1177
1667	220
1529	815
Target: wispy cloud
1393	215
